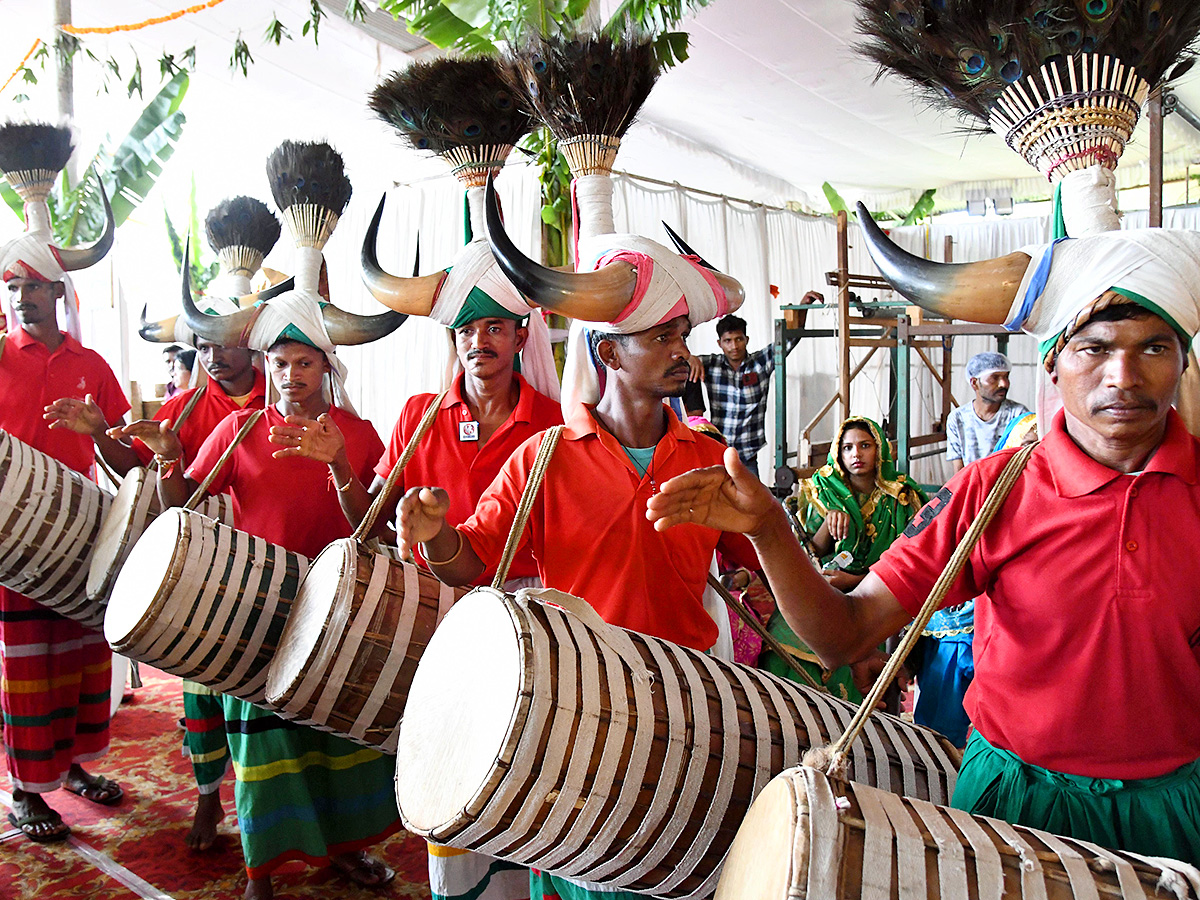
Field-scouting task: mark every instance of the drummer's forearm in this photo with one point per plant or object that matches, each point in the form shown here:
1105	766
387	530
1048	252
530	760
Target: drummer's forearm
460	564
839	628
353	498
121	457
174	488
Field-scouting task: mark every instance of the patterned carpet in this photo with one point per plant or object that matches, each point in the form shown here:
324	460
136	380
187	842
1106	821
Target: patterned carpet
136	849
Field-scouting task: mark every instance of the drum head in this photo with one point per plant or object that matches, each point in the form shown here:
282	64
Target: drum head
147	577
324	596
114	531
767	853
460	712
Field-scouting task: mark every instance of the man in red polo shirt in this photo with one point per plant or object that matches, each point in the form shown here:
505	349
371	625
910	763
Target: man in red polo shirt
588	530
57	674
233	383
1087	672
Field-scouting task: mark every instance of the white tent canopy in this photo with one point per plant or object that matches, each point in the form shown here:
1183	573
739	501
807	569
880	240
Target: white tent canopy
772	103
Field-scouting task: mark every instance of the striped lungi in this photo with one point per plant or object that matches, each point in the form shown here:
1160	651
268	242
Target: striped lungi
55	694
302	793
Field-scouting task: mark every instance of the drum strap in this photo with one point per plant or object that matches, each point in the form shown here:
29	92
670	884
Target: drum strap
368	523
832	758
540	463
767	638
198	496
189	406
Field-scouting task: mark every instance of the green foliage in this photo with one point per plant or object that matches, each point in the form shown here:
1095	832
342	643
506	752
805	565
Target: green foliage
128	171
276	32
355	11
315	14
922	209
201	273
241	58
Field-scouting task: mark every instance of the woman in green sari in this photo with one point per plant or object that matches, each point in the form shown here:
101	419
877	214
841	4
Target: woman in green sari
853	508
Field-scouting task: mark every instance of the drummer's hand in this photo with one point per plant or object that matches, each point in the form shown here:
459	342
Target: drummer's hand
727	498
81	416
422	513
155	434
318	438
838	522
865	671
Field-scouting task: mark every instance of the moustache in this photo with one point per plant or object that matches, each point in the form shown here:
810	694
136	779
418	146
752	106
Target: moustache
476	354
1135	401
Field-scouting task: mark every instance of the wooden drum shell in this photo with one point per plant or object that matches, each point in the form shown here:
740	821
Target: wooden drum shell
359	624
635	784
203	601
134	507
50	516
807	836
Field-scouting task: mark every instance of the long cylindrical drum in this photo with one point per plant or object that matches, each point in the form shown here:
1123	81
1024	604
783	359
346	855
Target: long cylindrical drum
135	506
809	836
50	516
205	602
550	739
358	627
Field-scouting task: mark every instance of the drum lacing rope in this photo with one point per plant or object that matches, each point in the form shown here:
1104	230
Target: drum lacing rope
769	639
194	501
540	463
367	525
832	758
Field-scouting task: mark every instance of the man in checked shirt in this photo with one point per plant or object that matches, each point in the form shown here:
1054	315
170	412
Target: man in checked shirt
737	384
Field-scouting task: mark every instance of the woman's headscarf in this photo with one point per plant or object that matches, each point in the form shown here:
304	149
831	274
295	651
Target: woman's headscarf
882	514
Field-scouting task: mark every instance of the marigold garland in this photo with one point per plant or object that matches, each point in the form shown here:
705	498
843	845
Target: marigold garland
20	65
157	20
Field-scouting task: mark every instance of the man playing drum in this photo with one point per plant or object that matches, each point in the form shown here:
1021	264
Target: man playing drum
1088	617
57	675
587	528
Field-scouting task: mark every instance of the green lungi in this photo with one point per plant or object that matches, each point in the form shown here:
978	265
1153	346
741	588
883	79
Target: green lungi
302	793
544	886
1152	816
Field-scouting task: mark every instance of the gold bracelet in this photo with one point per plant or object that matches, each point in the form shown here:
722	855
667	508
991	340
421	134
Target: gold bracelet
446	562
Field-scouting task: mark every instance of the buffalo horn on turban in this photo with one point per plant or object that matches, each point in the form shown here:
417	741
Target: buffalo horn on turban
598	296
232	330
733	288
410	296
74	258
163	331
975	292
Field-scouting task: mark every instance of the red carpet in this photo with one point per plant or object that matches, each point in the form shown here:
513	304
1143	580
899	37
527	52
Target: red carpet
136	849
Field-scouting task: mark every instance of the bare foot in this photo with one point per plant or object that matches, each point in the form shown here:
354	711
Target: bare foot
35	819
259	889
362	868
204	823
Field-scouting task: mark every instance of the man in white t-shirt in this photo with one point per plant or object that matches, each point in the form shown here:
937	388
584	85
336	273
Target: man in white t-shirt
972	429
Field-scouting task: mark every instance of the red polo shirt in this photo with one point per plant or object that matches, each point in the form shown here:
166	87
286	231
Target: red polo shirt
213	406
1088	618
289	501
32	377
464	468
589	533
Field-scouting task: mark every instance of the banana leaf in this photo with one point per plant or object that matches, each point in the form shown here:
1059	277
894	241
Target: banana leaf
128	172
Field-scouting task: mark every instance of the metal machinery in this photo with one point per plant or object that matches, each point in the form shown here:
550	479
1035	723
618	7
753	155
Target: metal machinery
896	326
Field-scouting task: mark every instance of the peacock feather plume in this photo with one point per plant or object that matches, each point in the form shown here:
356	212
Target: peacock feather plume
588	90
241	231
31	156
965	53
464	110
1062	80
310	187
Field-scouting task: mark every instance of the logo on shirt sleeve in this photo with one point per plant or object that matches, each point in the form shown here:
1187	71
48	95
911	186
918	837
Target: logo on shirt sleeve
928	513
